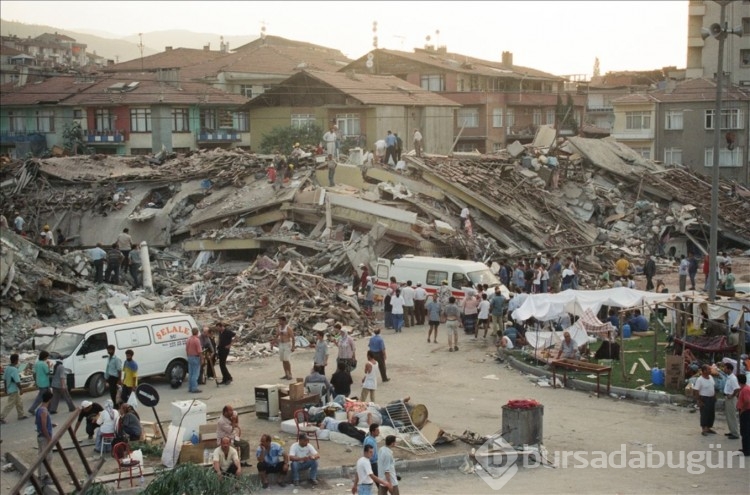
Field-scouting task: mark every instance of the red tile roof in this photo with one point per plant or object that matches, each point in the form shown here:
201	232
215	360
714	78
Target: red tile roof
9	51
701	89
53	90
150	91
366	89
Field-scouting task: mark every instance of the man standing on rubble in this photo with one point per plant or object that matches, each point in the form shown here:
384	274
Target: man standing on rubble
692	269
225	343
98	255
331	166
417	143
649	270
124	244
285	339
399	147
682	273
279	164
134	263
114	259
390	148
18	223
329	138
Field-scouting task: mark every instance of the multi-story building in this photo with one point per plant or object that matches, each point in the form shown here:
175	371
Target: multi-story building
500	102
676	125
702	55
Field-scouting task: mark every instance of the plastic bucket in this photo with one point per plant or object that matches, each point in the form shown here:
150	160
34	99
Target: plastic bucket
626	331
657	376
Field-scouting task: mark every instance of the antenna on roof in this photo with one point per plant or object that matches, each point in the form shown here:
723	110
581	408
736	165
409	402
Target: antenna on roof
140	47
263	30
375	34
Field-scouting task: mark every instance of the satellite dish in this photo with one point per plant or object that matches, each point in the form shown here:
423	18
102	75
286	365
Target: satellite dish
370	56
369	64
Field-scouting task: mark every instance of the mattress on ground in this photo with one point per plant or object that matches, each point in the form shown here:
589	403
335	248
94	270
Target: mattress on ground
290	427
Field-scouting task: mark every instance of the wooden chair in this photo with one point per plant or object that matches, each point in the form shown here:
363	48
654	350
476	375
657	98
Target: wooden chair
121	453
302	420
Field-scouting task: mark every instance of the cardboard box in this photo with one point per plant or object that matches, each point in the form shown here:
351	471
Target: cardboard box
190	453
674	372
296	390
207	432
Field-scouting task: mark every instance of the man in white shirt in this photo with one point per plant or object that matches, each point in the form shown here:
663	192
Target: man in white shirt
465	214
304	456
682	271
731	392
418	143
704	386
225	459
387	467
364	478
408	294
420	299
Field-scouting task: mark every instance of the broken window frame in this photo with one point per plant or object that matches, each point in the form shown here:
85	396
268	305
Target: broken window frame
470	115
140	119
180	119
673	120
727	158
638	121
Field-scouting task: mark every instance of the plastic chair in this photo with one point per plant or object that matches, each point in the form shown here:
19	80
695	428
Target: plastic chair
107	439
302	420
320	389
121	453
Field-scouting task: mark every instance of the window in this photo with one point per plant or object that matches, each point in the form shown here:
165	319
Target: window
731	118
744	58
95	343
637	120
435	277
672	155
727	158
208	119
180	120
77	113
16	122
644	151
348	124
550	120
510	115
132	337
536	117
45	120
246	90
746	26
459	281
301	120
497	117
468	117
433	82
673	120
240	121
103	119
140	119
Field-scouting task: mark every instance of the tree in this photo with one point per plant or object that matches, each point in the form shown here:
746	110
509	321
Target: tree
73	138
597	70
283	138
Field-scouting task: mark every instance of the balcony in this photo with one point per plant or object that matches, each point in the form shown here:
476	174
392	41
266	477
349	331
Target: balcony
12	137
599	109
218	136
106	137
634	135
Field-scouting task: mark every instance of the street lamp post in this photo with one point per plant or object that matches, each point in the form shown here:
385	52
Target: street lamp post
718	31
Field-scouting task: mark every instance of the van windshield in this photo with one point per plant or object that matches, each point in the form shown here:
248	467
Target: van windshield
63	345
483	277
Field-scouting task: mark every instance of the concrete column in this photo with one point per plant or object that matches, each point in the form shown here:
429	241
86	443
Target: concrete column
148	283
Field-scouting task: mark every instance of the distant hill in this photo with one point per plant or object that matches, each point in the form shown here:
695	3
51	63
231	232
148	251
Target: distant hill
123	49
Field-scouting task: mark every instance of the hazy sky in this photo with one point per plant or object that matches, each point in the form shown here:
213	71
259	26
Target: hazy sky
560	37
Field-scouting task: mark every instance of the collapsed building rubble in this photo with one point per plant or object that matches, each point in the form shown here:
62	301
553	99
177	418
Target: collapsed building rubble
204	210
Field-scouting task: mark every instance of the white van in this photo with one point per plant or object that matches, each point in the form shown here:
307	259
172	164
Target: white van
158	342
432	271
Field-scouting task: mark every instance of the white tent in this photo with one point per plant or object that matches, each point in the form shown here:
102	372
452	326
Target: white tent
545	307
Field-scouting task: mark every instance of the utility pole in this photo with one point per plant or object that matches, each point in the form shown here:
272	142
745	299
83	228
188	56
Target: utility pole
140	47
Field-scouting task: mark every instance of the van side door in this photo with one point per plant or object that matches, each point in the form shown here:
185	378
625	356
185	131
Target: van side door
91	357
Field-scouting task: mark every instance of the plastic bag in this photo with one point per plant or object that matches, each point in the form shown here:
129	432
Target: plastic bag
137	455
132	400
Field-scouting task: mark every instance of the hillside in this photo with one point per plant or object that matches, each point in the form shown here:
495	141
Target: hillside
125	49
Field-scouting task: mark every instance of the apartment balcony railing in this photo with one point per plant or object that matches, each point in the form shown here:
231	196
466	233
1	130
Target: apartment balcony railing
12	137
106	137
